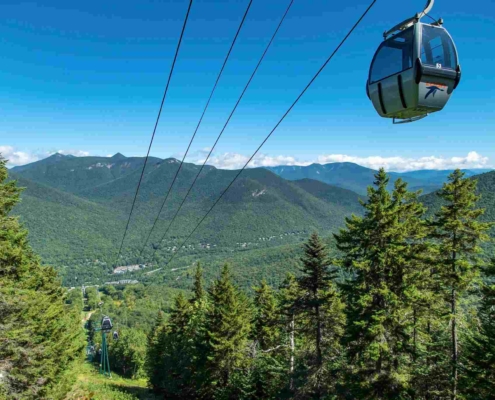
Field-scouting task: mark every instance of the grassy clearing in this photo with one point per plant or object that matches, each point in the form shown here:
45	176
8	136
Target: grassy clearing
91	385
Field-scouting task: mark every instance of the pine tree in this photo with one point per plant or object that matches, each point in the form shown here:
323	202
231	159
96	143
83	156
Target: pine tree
197	332
480	377
40	336
266	324
228	327
383	250
288	294
323	315
268	370
155	352
176	364
198	290
458	233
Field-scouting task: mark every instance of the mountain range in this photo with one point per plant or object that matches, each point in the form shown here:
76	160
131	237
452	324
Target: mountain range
76	208
357	178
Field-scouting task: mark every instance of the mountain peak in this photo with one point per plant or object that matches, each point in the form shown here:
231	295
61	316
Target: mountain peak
56	156
118	156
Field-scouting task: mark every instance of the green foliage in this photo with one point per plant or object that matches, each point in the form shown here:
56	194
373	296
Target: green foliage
92	298
228	326
40	335
266	323
155	352
322	319
127	354
93	386
384	336
269	370
74	298
479	380
407	293
383	250
87	199
458	234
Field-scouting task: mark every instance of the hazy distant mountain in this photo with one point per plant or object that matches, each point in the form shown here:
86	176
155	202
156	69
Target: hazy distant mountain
357	178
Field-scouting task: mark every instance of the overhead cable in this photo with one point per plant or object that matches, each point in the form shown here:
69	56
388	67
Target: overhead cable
274	128
228	120
154	129
197	126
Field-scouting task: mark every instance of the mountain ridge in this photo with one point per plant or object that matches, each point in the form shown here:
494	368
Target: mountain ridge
357	178
261	209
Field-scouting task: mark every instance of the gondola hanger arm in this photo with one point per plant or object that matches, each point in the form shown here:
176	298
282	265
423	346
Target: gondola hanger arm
410	21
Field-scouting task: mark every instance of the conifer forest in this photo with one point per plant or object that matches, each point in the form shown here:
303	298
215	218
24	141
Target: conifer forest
398	304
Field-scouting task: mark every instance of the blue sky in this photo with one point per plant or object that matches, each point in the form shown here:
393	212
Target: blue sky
87	78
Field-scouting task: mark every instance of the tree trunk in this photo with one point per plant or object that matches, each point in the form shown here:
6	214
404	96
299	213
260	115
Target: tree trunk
453	304
454	346
319	358
292	351
415	333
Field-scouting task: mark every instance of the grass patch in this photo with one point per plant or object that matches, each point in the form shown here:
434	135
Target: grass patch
91	385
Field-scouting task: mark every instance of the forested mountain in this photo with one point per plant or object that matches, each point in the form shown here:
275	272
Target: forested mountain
357	178
86	201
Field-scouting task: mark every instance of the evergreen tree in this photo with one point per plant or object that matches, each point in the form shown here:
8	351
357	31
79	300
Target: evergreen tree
40	336
155	352
197	332
458	233
176	364
198	290
383	251
228	327
480	377
323	315
288	294
268	370
266	324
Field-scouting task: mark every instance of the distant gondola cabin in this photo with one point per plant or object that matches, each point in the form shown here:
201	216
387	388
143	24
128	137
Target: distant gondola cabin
106	324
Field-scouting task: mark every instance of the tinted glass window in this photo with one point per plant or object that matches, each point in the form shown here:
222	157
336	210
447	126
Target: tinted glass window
437	48
393	56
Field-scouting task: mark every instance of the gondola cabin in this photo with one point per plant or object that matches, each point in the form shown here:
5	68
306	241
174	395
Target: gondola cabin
106	324
414	71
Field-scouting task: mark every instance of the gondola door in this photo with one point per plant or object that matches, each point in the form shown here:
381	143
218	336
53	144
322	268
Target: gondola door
392	86
437	66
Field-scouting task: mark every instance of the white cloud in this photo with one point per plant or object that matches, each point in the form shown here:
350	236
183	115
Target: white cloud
235	161
16	157
399	164
77	153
